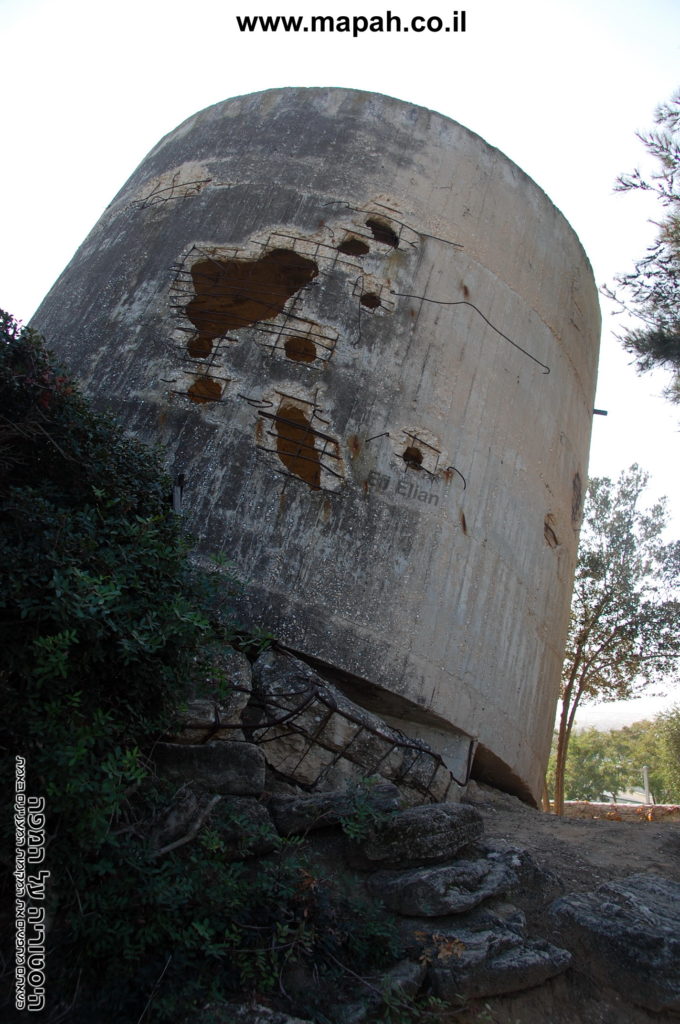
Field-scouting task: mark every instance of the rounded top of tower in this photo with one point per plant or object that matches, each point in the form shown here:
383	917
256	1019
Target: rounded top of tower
314	124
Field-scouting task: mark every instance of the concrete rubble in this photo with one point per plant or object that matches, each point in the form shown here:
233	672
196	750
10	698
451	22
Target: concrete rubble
453	893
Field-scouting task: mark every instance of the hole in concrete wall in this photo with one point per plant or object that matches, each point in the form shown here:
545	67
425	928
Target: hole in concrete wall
199	348
382	232
302	350
295	444
420	452
576	499
353	247
205	389
370	300
413	457
549	531
463	523
231	294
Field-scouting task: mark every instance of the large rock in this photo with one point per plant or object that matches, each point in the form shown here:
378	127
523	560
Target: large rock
311	733
627	936
486	954
481	971
230	768
449	889
306	813
419	835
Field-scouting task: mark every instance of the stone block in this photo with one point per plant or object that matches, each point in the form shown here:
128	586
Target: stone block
420	835
295	814
451	889
230	768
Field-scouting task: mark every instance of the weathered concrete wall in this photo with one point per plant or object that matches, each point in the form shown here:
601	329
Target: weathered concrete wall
369	342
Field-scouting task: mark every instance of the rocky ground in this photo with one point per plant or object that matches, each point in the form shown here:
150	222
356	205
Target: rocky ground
579	856
504	913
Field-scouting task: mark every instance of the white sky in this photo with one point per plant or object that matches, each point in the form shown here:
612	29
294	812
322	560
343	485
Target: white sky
560	86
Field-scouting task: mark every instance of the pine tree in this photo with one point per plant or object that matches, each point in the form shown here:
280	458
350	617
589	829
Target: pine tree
651	292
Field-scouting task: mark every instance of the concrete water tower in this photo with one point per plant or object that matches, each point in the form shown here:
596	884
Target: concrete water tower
368	344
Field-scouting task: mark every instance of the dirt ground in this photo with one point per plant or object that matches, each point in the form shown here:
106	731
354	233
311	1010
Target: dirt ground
582	853
572	855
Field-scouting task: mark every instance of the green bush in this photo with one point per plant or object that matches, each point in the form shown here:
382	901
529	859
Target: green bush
102	626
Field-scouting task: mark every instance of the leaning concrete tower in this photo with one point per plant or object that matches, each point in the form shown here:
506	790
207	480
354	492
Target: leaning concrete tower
367	342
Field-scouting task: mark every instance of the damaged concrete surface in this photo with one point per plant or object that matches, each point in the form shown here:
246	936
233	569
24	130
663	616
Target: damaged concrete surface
367	341
523	915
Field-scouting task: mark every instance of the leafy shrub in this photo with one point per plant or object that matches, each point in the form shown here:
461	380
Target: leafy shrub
102	622
364	814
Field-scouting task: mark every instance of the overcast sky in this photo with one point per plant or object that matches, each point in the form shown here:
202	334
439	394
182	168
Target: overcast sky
560	86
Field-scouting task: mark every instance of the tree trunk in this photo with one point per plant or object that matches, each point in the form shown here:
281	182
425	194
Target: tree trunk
545	799
561	754
567	716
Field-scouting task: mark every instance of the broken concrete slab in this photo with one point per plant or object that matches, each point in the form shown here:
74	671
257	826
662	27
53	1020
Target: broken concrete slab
428	834
450	889
311	733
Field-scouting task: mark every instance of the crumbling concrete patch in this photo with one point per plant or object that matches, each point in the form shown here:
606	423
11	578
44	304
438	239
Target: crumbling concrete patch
313	735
